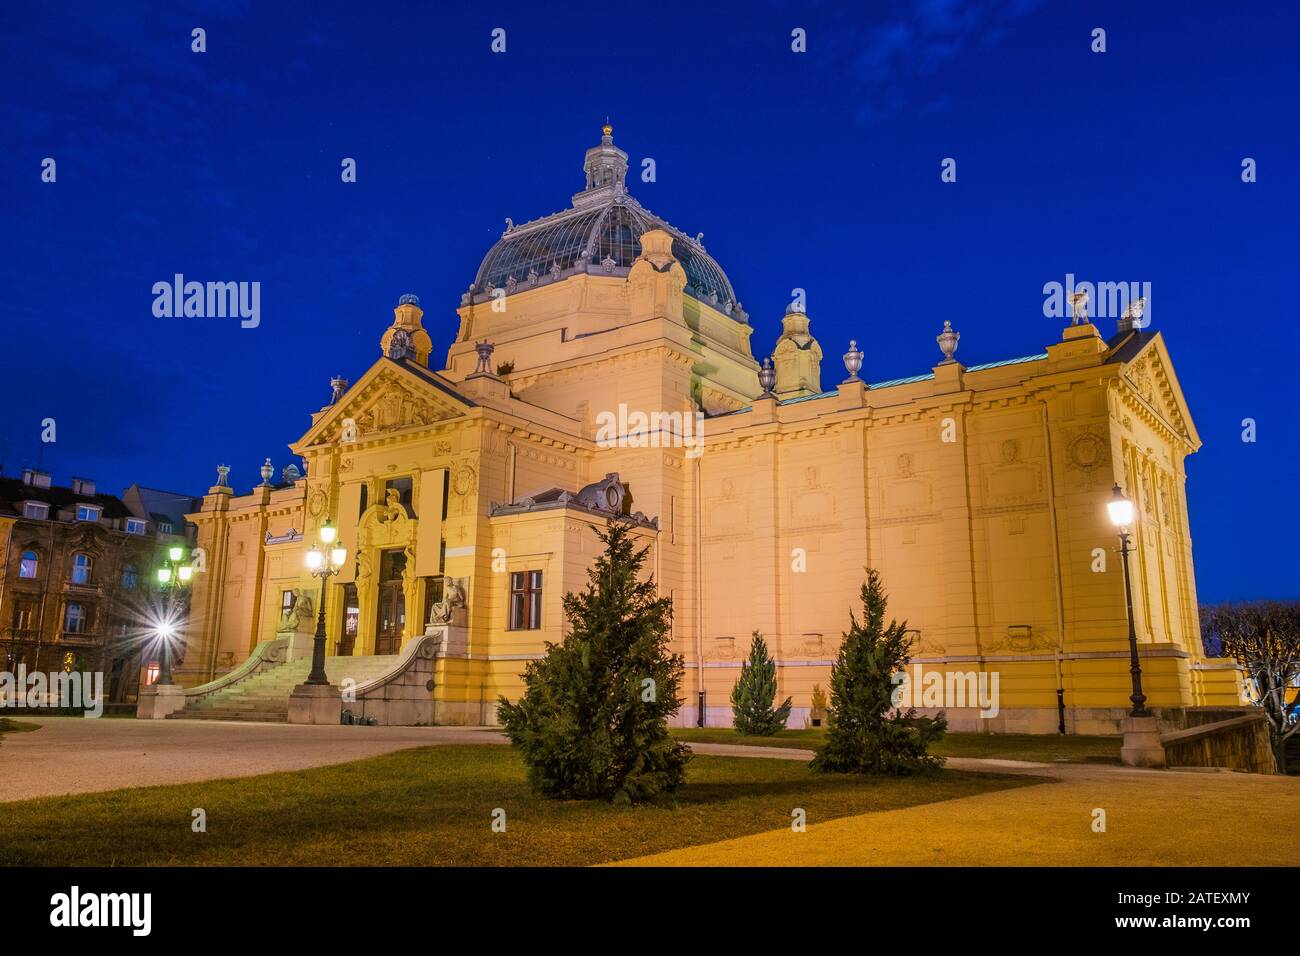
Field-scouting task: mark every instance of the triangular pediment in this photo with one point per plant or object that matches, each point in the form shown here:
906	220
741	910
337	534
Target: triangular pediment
1150	373
390	397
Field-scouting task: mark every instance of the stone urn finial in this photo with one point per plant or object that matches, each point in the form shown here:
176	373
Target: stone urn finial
853	360
947	340
223	475
484	350
767	378
268	472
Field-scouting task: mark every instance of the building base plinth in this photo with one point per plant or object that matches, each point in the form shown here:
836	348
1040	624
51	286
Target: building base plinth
158	700
1142	747
315	704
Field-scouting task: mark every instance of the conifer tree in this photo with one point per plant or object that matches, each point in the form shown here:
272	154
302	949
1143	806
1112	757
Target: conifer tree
754	693
593	721
866	732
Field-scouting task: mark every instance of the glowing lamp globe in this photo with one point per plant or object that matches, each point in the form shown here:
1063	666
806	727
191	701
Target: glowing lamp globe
328	533
315	558
175	553
185	572
1120	508
164	575
338	556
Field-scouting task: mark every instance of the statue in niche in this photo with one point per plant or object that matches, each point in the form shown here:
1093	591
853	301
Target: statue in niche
300	615
453	600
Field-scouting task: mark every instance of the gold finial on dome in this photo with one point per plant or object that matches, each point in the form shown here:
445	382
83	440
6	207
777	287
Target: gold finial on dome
607	129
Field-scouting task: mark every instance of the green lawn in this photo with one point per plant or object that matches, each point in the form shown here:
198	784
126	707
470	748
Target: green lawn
433	806
1045	748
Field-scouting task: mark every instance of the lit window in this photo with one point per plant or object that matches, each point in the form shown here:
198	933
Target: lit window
135	526
525	600
74	619
82	565
38	510
129	577
30	565
88	512
165	527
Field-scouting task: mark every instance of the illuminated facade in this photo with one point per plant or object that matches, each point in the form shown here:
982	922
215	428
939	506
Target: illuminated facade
587	346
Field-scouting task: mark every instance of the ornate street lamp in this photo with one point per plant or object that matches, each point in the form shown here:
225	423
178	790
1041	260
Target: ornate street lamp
323	568
174	577
1121	516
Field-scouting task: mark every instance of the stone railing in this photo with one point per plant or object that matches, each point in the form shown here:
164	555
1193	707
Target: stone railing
265	655
1236	743
403	695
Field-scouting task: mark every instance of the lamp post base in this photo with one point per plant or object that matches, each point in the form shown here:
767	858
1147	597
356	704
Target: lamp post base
158	700
315	704
1142	747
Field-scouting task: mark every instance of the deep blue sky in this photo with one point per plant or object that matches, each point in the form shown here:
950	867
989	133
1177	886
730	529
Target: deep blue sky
818	170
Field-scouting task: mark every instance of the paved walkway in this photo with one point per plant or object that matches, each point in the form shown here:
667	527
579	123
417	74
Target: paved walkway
76	755
1153	818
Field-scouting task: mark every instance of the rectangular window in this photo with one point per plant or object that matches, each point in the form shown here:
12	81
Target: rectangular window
37	510
135	526
525	600
74	619
88	512
25	615
82	566
165	527
286	601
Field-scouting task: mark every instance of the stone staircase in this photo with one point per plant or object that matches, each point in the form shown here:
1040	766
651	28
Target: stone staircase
265	696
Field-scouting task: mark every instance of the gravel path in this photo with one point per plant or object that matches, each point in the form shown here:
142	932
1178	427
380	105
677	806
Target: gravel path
76	755
1153	818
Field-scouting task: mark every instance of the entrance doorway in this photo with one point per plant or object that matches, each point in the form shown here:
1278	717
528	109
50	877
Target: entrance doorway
391	613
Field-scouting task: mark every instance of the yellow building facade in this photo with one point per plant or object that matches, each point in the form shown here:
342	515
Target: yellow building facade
603	364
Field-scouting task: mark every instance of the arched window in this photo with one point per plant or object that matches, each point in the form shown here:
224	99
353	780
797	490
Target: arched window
31	564
82	565
129	577
74	619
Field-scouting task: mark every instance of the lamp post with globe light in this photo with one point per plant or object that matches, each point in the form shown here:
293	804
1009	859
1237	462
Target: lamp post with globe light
1142	746
175	575
324	567
1121	513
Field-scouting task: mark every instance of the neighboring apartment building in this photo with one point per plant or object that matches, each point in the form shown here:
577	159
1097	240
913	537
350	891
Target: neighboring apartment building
77	582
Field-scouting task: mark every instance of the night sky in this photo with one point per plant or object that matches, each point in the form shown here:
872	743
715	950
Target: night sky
818	170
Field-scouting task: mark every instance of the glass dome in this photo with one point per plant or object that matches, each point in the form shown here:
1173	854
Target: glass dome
600	234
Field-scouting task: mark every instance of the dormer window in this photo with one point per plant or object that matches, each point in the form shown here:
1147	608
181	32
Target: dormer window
89	512
36	510
135	526
165	527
